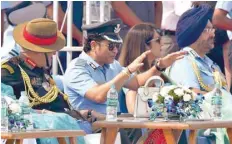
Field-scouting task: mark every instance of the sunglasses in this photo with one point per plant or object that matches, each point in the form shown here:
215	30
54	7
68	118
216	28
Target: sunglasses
209	30
154	40
112	45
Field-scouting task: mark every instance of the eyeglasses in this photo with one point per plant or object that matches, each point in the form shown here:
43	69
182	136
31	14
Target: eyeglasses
154	40
209	30
112	45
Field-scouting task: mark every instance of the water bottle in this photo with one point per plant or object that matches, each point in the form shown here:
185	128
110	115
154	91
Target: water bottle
112	104
26	110
216	103
4	114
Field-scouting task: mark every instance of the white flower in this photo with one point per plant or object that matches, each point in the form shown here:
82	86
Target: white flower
187	97
179	92
154	97
187	89
165	90
15	108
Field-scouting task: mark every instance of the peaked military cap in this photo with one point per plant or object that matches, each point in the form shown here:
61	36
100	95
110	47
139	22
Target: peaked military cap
108	30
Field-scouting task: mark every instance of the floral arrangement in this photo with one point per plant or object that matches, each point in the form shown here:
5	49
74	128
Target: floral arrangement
176	100
16	117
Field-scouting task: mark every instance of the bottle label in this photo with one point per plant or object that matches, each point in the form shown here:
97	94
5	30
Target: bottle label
112	102
216	100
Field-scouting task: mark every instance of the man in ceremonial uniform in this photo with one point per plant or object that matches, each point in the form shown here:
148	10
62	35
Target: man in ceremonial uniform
39	39
195	34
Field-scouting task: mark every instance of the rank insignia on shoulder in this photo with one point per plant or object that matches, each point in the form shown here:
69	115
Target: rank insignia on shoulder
93	66
8	67
193	53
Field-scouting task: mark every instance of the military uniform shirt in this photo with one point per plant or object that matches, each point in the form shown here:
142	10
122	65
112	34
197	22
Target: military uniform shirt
82	74
12	76
182	71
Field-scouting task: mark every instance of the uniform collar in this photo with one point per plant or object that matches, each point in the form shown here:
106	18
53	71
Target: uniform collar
197	56
91	61
28	63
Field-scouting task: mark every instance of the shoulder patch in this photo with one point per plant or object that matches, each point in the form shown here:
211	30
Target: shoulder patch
80	62
8	67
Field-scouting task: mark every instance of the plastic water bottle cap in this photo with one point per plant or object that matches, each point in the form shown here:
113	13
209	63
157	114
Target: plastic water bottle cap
112	86
23	98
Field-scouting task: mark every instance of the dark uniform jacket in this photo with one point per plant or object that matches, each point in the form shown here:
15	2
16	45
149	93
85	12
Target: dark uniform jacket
39	79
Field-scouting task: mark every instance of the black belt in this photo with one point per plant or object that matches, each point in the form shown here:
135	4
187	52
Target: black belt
169	32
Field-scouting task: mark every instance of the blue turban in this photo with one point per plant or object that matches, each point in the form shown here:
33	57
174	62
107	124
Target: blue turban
191	24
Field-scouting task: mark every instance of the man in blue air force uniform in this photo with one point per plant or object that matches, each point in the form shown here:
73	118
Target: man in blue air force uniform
195	34
89	77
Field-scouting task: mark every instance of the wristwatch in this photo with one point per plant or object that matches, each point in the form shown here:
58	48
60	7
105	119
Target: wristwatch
156	63
89	114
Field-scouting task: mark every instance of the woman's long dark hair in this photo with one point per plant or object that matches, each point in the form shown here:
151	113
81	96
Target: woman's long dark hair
135	43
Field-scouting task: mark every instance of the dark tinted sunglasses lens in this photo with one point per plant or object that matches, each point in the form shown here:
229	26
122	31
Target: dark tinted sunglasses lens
111	46
119	45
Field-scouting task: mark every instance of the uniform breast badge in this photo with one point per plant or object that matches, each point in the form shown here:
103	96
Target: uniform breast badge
46	85
36	81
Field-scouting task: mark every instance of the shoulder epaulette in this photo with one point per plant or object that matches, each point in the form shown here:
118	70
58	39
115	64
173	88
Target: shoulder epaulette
8	67
80	62
5	65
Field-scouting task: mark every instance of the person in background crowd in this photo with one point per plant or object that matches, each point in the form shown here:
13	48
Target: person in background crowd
132	13
76	26
222	19
17	13
172	10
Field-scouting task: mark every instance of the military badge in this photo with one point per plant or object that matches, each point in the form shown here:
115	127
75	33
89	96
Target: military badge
35	81
46	86
117	29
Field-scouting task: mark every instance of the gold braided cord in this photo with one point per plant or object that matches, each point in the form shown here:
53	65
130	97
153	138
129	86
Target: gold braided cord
36	99
216	75
49	97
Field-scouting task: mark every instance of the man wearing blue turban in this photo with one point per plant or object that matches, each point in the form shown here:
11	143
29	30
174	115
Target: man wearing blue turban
195	34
